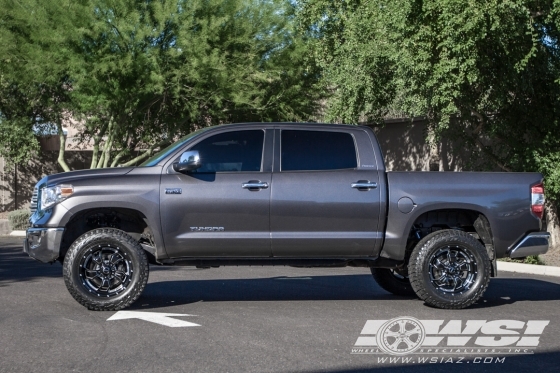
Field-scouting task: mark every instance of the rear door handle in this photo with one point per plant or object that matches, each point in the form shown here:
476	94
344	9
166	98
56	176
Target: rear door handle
254	185
364	185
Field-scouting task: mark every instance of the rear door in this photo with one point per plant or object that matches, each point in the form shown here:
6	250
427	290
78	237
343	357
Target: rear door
223	208
325	202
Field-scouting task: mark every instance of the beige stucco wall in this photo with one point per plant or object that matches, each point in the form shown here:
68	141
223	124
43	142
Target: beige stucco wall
405	147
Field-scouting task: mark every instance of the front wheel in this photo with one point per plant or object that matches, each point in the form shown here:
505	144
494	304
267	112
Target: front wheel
105	270
449	269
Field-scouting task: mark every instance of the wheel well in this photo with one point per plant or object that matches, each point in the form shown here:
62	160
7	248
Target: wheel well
469	221
133	222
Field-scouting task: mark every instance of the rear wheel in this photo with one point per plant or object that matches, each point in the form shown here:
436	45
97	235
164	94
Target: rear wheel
105	270
449	269
394	281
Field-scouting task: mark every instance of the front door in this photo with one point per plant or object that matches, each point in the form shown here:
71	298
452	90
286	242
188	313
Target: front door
223	207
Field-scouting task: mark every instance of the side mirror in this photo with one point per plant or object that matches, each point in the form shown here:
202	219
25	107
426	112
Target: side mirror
190	160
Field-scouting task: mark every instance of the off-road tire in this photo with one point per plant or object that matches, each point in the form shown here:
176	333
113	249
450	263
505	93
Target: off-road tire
393	282
425	260
129	255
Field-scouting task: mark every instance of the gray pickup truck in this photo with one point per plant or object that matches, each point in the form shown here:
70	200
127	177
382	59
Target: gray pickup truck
296	194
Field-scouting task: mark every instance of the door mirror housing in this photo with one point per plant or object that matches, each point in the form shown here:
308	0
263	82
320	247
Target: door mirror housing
190	160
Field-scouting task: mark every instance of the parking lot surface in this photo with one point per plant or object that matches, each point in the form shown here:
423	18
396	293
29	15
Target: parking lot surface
264	319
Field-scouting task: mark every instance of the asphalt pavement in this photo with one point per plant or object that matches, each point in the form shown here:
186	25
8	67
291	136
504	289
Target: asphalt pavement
267	319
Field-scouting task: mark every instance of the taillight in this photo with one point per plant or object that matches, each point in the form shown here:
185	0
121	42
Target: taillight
537	200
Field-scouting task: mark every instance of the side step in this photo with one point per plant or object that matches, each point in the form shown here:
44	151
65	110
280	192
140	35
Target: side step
293	262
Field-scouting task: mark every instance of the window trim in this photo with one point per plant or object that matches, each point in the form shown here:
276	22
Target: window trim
319	130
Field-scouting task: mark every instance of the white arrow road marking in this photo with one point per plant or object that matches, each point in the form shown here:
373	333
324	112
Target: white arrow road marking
155	317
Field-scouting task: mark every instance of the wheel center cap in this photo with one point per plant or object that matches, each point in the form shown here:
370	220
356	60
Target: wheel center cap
106	270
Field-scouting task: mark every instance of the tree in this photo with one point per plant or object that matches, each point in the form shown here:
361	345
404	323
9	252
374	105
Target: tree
484	71
154	71
33	77
137	75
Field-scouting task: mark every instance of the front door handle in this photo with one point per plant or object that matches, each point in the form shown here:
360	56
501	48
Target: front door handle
254	185
364	185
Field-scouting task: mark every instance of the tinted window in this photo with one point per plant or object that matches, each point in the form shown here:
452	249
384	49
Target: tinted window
317	150
231	151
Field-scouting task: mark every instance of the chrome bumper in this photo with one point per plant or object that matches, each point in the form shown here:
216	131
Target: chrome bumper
531	244
43	244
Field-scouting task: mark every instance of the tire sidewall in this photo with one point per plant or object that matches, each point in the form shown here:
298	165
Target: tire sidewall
420	269
114	239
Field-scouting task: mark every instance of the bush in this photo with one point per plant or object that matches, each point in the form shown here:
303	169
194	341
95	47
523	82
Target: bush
532	259
19	220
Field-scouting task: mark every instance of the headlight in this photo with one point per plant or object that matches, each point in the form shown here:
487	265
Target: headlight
52	195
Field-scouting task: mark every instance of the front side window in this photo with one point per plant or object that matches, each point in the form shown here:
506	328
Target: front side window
231	151
317	151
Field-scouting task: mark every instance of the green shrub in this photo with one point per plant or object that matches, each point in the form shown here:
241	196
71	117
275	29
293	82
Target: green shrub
532	259
19	220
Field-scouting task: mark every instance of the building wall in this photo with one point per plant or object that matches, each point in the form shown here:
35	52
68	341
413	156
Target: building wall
406	147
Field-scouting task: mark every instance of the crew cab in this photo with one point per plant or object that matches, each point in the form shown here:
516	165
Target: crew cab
295	194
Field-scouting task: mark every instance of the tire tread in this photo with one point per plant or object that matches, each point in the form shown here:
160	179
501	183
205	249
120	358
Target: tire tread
108	305
420	255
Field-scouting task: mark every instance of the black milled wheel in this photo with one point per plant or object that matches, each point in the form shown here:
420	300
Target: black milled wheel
449	269
105	270
396	282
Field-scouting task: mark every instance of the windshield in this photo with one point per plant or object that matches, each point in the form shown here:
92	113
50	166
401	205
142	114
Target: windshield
156	158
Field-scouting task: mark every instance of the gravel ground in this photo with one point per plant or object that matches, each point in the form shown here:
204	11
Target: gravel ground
552	258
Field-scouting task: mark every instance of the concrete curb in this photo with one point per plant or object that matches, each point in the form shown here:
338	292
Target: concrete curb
532	269
18	233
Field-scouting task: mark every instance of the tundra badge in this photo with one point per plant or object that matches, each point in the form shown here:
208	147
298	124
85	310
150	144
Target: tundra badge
207	229
173	190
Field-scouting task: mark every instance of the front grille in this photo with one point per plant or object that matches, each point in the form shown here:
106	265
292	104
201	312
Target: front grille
34	200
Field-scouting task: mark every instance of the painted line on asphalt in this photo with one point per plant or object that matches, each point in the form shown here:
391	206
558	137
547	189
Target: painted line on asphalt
532	269
165	319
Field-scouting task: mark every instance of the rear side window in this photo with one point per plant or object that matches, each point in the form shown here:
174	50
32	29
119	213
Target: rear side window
231	151
317	150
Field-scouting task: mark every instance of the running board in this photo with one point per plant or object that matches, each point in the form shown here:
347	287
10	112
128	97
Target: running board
292	262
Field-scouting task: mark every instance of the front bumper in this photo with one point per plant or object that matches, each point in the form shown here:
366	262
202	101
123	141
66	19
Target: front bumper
43	244
532	244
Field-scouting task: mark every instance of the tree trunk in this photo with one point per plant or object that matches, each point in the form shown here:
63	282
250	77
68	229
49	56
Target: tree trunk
62	148
148	153
553	226
95	152
106	151
96	144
